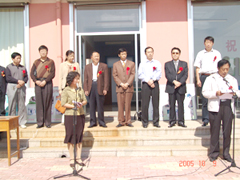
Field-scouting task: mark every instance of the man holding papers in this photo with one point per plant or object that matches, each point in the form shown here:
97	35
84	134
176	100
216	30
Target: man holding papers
218	89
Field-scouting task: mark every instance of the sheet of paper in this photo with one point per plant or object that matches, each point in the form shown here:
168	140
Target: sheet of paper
226	96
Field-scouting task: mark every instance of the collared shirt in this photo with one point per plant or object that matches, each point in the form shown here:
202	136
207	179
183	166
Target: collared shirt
150	70
94	68
124	62
207	61
176	66
176	63
214	83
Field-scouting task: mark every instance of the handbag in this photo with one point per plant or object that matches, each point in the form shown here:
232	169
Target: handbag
59	107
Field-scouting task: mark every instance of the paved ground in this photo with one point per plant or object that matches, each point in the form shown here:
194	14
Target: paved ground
120	168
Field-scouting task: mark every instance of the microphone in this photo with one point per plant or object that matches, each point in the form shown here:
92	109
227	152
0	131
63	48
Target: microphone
225	80
77	87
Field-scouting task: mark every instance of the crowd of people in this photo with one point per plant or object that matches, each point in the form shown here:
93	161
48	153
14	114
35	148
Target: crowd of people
211	77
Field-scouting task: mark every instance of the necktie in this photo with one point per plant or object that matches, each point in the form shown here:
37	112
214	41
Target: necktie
176	65
123	64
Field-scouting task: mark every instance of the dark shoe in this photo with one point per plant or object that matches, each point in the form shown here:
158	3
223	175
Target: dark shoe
130	125
49	126
80	163
181	124
39	126
229	159
157	126
205	124
212	159
145	126
172	124
91	126
119	125
104	125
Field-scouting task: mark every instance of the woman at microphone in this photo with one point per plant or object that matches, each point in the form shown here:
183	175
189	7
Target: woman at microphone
68	96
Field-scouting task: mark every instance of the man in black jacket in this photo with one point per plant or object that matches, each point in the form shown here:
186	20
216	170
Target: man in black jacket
176	72
3	86
2	90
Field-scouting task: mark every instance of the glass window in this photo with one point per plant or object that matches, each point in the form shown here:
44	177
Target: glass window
220	20
11	34
107	18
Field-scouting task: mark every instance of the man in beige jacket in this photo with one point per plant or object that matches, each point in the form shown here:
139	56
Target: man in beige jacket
123	74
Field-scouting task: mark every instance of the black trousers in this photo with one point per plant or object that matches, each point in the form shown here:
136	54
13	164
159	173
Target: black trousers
225	115
147	91
44	96
2	103
205	113
96	99
172	102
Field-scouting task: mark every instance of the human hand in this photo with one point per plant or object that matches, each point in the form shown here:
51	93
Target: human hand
153	85
21	82
219	93
104	92
199	84
150	82
38	83
43	83
177	84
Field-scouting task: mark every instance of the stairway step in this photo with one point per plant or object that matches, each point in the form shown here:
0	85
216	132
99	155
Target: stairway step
34	152
127	141
58	130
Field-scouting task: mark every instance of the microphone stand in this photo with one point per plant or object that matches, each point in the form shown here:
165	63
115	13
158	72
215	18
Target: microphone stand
75	172
233	164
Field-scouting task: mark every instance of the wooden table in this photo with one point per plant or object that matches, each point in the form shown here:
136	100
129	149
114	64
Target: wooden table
8	123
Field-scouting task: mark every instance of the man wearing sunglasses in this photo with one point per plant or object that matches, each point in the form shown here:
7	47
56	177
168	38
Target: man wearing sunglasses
176	72
206	64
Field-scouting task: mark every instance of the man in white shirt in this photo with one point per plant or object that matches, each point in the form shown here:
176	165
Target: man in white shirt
206	64
150	71
218	89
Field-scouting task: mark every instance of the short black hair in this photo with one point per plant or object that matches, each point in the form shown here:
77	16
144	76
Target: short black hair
122	50
15	54
149	47
176	48
42	47
210	38
69	52
94	52
223	62
70	77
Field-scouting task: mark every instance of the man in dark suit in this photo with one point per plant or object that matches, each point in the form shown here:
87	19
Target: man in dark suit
176	72
124	74
3	85
96	84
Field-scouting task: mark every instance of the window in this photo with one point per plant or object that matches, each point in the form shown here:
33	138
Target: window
108	18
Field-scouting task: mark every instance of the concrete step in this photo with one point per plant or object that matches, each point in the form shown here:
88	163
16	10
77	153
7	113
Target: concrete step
58	130
128	141
87	152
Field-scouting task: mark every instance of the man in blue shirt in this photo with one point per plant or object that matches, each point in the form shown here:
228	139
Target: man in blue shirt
150	71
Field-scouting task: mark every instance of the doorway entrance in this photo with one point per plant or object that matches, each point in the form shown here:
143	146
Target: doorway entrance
107	46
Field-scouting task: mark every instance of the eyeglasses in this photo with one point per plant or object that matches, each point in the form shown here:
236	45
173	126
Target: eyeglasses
175	52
